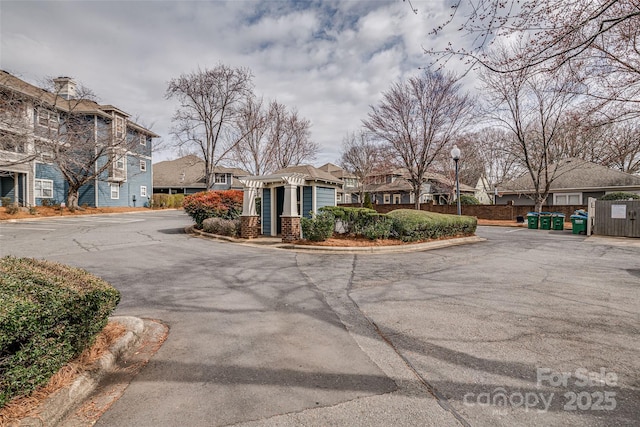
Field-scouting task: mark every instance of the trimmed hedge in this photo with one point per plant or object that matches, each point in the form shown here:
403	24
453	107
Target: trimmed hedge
49	314
352	221
412	225
225	204
620	196
319	227
166	201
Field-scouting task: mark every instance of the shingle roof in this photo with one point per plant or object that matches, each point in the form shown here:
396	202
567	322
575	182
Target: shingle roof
336	171
310	173
84	106
577	174
170	172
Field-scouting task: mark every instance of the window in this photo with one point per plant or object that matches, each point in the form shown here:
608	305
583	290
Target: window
143	191
44	188
567	199
47	119
143	165
115	191
119	163
143	139
221	178
387	199
120	127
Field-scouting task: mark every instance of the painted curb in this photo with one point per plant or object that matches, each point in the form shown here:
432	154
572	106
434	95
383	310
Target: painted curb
61	403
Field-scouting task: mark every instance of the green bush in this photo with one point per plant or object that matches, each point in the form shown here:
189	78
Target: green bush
620	196
6	201
367	201
466	199
411	225
378	227
225	204
49	314
223	227
352	220
319	227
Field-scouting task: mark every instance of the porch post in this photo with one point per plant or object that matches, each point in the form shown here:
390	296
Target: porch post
290	218
249	220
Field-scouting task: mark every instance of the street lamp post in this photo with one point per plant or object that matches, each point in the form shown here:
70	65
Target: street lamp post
455	155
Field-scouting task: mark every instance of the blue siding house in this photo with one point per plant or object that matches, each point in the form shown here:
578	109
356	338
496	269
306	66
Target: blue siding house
34	121
290	192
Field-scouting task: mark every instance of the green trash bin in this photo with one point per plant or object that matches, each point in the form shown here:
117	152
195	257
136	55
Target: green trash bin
578	224
532	220
545	222
557	221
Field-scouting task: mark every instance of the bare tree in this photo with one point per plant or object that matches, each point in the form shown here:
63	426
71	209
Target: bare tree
290	141
622	144
532	105
596	40
15	131
270	138
360	156
251	153
61	127
487	158
210	102
417	118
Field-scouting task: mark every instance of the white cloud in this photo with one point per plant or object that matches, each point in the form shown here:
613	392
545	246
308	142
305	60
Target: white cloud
329	59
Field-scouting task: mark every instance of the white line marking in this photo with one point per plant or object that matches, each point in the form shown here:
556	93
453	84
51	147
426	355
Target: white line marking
513	231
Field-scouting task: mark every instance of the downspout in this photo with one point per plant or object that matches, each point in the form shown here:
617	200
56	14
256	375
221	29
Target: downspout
96	187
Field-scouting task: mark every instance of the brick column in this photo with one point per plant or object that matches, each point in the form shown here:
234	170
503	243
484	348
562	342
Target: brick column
290	228
249	226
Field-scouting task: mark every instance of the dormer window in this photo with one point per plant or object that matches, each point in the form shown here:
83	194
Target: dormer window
221	178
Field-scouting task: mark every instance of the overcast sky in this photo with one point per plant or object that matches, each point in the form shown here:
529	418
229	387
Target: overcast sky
329	59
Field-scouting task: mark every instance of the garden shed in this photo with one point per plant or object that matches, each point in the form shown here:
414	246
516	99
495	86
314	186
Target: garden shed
285	196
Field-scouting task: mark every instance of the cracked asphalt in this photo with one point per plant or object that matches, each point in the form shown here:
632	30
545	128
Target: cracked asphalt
530	327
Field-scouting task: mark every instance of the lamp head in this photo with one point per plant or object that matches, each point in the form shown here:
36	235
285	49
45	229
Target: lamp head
455	153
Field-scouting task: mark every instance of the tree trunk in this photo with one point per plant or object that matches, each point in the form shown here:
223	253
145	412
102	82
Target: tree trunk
72	198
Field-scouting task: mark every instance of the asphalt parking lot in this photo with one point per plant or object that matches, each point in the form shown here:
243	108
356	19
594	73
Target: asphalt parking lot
529	327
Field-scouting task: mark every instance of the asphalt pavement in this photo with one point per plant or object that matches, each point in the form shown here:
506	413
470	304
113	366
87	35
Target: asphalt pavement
529	327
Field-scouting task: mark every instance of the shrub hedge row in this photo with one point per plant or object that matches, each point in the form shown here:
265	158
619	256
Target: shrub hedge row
405	224
165	201
620	196
411	225
49	314
225	204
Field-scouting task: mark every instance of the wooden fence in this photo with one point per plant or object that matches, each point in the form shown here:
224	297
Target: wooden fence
617	218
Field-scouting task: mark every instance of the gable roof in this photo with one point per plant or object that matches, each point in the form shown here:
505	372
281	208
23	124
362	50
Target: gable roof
52	100
336	171
577	174
187	171
310	173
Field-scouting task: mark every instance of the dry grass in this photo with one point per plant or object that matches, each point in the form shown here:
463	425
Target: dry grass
22	407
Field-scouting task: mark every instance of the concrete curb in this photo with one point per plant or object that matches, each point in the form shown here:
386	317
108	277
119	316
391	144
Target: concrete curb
411	247
60	404
57	217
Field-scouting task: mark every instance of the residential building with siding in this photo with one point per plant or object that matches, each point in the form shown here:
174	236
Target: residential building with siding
29	177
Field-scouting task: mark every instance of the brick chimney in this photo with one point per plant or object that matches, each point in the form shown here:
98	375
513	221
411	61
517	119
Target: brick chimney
65	87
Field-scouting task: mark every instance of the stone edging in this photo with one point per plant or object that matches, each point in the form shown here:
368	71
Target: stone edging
411	247
61	403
